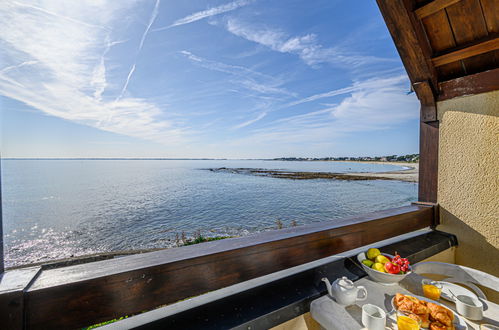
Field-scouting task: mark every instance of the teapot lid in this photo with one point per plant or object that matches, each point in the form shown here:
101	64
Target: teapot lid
344	283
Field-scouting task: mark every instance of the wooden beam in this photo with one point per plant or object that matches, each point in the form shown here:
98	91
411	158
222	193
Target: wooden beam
428	162
482	82
457	55
408	36
433	7
12	286
81	295
427	100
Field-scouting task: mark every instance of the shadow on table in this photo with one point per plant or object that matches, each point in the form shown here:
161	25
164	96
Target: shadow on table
356	313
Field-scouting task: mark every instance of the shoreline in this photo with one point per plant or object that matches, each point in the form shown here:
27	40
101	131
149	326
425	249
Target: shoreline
411	174
408	174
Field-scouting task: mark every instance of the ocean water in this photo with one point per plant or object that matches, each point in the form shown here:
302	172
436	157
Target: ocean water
55	209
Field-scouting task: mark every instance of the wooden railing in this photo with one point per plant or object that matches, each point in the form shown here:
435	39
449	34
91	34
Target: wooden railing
80	295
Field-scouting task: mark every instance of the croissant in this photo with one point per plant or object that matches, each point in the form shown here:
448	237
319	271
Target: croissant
437	326
410	304
440	326
440	314
425	320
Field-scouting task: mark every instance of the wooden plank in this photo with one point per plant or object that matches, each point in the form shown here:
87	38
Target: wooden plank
490	9
441	38
469	85
399	20
428	162
468	24
86	294
427	99
433	7
467	52
12	286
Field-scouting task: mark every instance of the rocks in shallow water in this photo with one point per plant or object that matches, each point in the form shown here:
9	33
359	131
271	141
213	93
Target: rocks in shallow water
282	174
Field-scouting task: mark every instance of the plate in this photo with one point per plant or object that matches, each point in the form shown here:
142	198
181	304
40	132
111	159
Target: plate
459	322
447	287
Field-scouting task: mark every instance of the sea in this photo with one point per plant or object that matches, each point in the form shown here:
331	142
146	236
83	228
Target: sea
60	208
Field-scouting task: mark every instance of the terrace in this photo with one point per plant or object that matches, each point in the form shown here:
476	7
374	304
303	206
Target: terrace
450	50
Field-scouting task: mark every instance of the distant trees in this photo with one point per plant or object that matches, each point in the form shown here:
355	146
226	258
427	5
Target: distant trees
411	158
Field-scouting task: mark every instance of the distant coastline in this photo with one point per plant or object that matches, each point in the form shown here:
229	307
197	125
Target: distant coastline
410	158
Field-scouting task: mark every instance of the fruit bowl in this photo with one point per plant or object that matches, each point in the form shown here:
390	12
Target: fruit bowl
378	276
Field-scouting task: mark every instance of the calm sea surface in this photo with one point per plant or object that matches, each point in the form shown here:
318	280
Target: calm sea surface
54	209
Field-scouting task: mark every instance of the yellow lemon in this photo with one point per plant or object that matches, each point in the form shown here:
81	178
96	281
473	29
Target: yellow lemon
381	259
379	267
372	253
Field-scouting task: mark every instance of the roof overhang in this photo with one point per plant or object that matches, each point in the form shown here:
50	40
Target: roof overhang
449	48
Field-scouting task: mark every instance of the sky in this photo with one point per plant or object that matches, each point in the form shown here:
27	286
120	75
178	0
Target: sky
197	78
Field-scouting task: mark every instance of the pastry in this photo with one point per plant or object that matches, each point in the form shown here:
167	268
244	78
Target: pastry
440	314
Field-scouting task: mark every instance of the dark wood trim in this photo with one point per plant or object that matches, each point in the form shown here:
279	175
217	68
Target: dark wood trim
409	38
427	100
13	283
103	290
428	161
467	52
433	7
482	82
436	212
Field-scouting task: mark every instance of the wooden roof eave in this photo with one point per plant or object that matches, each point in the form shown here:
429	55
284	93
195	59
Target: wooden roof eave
414	51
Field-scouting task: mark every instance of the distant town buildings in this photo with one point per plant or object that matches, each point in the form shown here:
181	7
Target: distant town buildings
412	158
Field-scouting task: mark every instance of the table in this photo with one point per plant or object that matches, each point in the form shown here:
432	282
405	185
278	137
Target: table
332	316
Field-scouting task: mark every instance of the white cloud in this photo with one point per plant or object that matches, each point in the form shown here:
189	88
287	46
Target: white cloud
356	86
372	105
306	47
55	58
207	13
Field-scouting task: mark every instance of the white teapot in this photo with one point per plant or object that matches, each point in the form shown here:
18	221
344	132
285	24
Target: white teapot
344	291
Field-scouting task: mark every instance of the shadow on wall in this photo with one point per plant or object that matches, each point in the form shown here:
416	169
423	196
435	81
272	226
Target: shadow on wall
474	250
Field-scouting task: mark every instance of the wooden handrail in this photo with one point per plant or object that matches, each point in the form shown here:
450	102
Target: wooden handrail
81	295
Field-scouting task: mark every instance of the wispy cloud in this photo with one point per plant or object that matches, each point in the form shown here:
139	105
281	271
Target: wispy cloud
154	14
365	109
251	121
356	86
307	47
207	13
247	78
55	62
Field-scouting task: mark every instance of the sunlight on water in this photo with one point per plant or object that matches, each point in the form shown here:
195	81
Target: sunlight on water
56	209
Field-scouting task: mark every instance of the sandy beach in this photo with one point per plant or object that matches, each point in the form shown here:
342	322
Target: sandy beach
409	175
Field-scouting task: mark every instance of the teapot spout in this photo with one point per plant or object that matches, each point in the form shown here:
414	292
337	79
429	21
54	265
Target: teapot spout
328	285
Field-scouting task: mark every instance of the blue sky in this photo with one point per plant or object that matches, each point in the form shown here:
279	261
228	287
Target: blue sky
218	78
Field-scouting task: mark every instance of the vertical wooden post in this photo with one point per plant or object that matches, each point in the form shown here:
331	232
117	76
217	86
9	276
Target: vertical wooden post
428	143
428	161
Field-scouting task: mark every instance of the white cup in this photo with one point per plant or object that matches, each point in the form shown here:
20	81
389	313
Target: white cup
469	307
373	317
